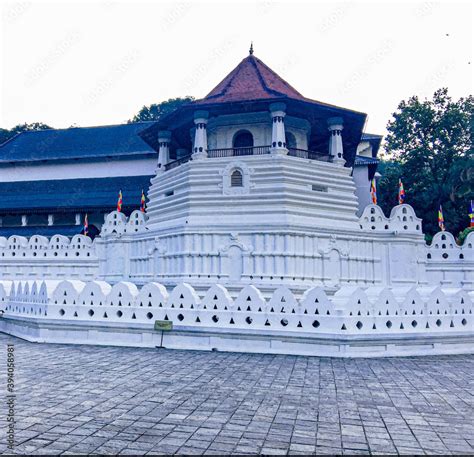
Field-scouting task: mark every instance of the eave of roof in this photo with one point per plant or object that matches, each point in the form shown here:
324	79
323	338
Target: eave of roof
364	161
71	194
374	140
77	143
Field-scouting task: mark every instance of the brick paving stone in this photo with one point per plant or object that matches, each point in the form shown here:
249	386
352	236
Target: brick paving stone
112	400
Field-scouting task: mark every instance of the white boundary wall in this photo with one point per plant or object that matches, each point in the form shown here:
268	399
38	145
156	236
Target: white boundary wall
353	322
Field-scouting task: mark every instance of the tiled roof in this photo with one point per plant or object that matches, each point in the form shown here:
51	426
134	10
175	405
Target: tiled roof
371	136
45	230
71	194
251	80
77	143
363	160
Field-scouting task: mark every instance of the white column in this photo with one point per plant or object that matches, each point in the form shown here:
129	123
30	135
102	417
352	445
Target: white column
24	220
277	111
78	219
200	135
51	219
335	126
164	139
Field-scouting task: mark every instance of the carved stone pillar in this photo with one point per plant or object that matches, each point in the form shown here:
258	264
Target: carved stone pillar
200	135
164	139
336	151
278	146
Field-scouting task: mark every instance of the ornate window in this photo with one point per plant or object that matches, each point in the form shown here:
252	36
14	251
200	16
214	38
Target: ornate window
236	179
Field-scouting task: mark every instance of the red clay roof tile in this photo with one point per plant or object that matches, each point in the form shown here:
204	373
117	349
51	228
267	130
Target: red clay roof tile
251	80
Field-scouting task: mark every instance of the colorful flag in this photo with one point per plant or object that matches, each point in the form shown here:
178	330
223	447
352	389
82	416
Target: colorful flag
471	214
373	191
401	193
441	219
86	226
143	203
119	203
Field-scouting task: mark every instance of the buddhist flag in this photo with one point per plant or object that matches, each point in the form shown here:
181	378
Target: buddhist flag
373	191
86	226
401	193
119	203
471	214
143	203
441	219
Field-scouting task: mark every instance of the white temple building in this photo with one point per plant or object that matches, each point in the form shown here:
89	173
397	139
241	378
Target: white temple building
253	240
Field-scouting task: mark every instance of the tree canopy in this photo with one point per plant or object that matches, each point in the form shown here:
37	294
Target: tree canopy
6	134
429	146
156	111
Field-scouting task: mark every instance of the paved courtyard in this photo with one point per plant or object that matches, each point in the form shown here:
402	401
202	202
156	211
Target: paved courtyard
83	399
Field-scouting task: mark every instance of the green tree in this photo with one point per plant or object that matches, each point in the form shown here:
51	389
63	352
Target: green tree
431	143
156	111
6	134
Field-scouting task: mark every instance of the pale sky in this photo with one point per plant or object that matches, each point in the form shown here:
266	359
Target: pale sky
96	63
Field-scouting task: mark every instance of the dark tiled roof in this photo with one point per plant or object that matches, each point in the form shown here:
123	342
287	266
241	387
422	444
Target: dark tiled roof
71	194
362	160
45	230
77	143
371	136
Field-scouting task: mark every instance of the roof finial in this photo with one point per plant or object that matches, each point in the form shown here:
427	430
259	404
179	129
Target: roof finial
251	48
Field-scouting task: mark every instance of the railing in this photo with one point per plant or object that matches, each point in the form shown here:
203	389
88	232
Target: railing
177	163
235	152
255	150
312	155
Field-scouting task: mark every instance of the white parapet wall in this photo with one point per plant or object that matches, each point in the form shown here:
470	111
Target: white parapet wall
354	322
40	257
384	252
449	264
